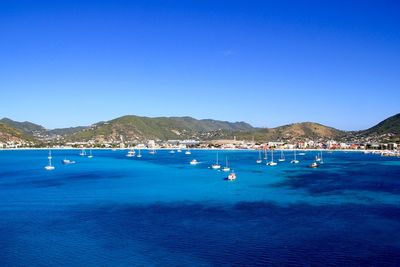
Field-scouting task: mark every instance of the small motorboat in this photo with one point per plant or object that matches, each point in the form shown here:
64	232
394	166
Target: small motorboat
231	176
68	161
194	162
313	165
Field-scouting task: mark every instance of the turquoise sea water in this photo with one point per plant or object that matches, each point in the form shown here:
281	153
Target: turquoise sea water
112	210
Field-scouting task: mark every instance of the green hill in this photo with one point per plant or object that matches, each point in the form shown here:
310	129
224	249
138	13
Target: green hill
292	132
8	133
66	131
26	127
140	128
386	131
137	128
389	126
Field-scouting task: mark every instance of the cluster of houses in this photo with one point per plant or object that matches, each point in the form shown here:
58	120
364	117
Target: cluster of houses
222	144
17	144
227	144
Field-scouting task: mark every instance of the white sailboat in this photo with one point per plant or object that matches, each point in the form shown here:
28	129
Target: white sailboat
49	167
90	154
294	160
172	151
188	152
265	154
226	167
152	151
139	155
259	160
83	152
131	153
216	166
282	158
272	162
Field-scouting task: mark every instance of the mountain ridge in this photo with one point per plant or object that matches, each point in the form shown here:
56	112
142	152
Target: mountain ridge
133	128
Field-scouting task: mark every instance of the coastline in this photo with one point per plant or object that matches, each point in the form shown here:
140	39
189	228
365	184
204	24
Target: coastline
175	148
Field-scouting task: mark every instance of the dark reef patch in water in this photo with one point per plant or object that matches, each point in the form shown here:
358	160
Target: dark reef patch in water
323	181
60	180
245	234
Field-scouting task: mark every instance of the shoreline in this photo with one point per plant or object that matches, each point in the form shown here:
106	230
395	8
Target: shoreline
212	149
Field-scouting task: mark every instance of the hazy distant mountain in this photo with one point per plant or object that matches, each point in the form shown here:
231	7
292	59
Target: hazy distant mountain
133	128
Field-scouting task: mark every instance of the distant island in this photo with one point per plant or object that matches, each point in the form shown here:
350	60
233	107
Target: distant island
168	131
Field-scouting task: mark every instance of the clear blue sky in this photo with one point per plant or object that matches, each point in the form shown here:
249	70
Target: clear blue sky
69	63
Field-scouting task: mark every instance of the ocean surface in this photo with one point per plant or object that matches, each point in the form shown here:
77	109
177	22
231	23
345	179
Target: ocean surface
158	210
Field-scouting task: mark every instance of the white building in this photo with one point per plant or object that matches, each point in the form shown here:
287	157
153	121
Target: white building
151	144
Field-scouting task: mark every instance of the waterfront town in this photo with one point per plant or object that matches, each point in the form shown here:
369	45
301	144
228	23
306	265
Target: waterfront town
208	144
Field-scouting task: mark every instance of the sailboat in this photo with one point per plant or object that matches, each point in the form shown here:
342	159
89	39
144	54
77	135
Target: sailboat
188	152
179	150
259	160
226	168
216	166
49	167
294	160
265	154
131	153
90	154
172	151
83	152
272	162
139	155
282	158
321	160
